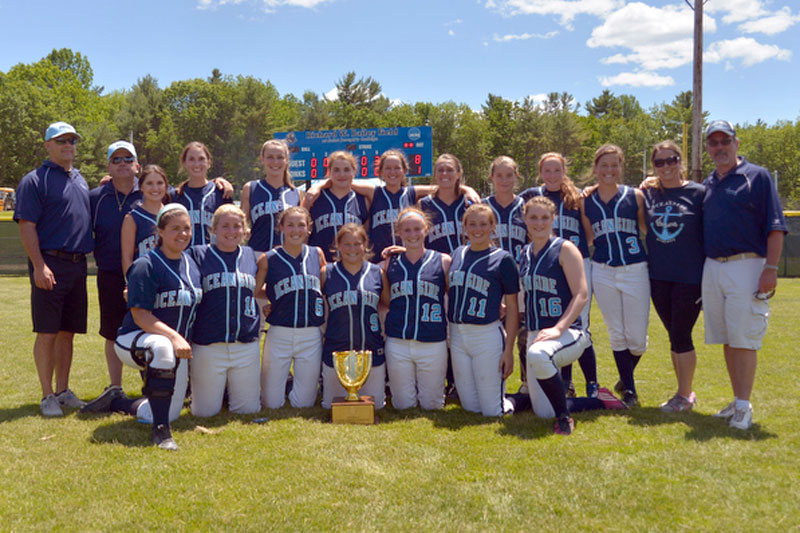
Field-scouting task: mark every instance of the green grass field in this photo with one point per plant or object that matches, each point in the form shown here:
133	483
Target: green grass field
446	471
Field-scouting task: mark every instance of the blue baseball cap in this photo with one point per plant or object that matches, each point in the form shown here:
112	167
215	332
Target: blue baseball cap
720	125
57	129
121	145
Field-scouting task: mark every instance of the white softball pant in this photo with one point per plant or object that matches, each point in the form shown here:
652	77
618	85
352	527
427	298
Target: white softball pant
416	372
546	358
476	351
587	270
215	366
623	294
299	348
160	354
375	386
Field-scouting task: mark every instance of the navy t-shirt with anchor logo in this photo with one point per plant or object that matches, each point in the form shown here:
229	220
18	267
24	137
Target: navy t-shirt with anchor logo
675	233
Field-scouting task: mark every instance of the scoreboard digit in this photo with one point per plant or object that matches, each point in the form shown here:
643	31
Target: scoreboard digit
310	149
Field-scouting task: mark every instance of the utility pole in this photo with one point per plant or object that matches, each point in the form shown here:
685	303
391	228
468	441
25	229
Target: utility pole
697	93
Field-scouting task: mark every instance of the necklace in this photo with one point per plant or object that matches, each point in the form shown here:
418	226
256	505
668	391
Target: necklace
124	198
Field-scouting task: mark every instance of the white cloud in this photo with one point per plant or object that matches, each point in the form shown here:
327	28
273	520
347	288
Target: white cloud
745	49
267	6
538	99
332	95
453	22
566	10
637	79
737	10
450	32
778	22
213	4
523	36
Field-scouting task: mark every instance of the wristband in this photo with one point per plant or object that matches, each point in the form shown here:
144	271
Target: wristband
771	267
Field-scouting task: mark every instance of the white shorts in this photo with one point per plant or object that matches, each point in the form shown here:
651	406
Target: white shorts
476	351
623	294
375	386
587	270
732	314
159	354
215	366
546	358
299	348
416	372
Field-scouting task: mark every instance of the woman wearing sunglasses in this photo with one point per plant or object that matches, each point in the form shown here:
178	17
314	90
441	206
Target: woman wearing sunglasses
674	215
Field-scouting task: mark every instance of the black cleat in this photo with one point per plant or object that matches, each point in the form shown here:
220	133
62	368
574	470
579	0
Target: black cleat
102	404
630	399
161	436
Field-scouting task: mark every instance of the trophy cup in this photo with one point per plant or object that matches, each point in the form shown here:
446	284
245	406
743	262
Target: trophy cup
352	369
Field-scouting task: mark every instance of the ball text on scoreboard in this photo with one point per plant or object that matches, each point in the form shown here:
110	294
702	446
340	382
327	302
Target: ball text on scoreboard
309	150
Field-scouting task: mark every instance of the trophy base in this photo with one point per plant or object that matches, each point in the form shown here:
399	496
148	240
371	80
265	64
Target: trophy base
360	412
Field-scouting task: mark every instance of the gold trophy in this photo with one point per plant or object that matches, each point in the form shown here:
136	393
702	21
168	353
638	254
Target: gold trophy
352	369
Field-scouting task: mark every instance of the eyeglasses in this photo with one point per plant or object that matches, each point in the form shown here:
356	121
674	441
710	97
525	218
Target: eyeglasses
68	140
669	161
119	159
724	142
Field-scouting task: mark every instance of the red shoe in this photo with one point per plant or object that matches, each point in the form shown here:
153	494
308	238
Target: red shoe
564	425
609	400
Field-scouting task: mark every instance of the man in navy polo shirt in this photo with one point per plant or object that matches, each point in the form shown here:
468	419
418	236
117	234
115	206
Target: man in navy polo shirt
743	230
55	228
110	203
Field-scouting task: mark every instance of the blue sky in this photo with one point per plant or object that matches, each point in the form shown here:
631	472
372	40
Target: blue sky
433	50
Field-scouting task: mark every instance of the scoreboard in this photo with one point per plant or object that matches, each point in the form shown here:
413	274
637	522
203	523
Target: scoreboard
309	150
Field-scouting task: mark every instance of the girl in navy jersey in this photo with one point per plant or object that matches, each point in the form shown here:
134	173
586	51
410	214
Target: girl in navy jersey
414	285
264	200
138	233
445	208
336	206
225	343
163	292
558	188
352	287
386	201
481	277
613	216
675	261
294	338
199	195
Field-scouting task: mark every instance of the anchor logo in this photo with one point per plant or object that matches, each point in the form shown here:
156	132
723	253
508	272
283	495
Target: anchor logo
665	235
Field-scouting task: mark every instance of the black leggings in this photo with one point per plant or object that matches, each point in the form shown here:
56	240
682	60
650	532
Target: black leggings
678	306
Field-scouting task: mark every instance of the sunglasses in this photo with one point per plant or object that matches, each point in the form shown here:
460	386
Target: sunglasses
69	140
119	159
714	143
669	161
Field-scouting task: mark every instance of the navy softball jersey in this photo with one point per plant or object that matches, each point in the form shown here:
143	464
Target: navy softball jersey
146	237
353	321
228	312
478	281
445	232
109	208
169	288
201	203
567	224
416	292
266	205
330	213
383	214
547	293
511	232
293	288
675	233
616	228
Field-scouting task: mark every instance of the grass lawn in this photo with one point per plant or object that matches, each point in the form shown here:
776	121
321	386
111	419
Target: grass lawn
444	471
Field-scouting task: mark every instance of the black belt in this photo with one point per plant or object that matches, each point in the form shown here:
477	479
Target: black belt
76	257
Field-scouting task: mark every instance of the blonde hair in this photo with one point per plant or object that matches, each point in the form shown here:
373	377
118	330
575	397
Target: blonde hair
542	201
230	209
479	209
341	155
411	211
280	143
570	194
296	210
351	228
399	155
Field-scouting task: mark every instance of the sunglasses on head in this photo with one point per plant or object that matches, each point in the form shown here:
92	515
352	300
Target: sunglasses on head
68	140
119	159
714	143
670	161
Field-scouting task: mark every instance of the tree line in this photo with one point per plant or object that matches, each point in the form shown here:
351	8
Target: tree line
233	115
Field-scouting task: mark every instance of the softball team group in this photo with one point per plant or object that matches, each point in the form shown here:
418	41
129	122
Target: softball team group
422	276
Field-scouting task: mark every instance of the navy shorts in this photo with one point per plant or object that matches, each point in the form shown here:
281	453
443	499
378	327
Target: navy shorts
64	308
678	306
113	307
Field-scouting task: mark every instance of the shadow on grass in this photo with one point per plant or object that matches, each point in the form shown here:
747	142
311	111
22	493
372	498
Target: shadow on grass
15	413
701	427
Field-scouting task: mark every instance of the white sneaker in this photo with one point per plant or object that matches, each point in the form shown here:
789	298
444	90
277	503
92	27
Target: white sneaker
727	411
742	418
50	406
67	398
